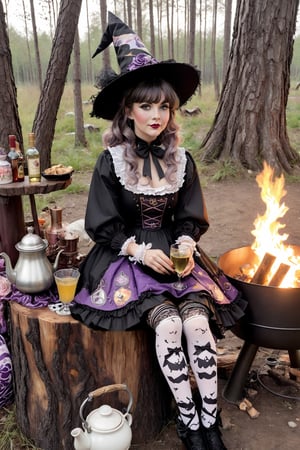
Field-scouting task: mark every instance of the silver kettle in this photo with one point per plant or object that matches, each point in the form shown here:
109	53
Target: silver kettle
33	272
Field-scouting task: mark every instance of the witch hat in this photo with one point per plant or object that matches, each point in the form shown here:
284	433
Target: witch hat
136	64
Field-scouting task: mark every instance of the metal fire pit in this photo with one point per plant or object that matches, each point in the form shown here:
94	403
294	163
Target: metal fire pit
272	319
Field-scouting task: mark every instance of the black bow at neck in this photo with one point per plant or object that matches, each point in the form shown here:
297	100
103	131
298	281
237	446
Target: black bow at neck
143	150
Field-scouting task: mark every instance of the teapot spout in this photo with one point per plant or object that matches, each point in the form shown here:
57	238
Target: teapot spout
55	264
81	439
10	272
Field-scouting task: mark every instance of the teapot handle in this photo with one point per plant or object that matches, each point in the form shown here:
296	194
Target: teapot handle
105	390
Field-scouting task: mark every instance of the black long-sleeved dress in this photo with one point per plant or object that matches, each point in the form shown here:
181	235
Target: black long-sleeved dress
115	292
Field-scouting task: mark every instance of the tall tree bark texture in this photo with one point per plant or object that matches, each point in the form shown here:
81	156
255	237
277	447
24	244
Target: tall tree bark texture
250	121
45	118
79	122
227	35
9	116
36	45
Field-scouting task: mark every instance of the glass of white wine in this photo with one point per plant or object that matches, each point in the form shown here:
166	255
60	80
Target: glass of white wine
180	255
66	282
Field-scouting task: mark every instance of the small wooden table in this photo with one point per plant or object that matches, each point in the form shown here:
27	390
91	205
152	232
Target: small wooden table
12	223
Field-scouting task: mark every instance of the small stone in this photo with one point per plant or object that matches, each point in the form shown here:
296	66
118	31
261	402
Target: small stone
292	424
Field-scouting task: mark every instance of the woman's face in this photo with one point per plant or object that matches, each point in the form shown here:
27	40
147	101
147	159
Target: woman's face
150	119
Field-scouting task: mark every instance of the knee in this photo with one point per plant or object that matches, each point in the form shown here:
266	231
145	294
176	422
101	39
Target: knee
170	326
196	323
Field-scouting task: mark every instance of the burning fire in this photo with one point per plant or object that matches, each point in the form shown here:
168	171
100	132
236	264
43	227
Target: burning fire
268	239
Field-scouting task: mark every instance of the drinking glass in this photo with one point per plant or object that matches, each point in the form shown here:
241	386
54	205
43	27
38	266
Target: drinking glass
180	255
66	281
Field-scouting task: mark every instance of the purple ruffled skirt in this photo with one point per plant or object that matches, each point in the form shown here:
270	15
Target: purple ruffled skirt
126	292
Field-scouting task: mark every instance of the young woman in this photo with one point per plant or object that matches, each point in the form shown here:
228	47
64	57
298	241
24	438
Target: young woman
144	196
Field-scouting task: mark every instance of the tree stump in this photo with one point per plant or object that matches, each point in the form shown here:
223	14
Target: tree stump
57	361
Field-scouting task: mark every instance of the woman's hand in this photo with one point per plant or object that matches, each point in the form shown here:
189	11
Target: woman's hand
157	260
189	267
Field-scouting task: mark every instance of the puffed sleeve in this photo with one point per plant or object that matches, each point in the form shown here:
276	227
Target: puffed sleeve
190	217
103	221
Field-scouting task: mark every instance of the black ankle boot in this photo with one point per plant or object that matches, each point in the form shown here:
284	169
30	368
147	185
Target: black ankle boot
192	439
213	438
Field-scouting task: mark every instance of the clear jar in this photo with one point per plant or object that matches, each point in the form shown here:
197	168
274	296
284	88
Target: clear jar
5	171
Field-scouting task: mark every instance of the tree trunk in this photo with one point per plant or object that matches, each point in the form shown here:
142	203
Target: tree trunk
45	118
250	121
30	70
200	34
159	30
79	124
9	116
139	19
90	75
103	15
57	362
36	46
204	66
191	49
129	12
213	49
152	33
227	36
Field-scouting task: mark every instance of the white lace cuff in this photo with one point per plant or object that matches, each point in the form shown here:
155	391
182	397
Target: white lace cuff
140	253
123	251
188	241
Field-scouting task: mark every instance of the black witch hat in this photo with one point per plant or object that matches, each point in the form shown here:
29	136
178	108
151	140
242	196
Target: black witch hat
136	64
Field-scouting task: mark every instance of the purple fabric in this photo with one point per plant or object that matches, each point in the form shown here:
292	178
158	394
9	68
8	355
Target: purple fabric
124	282
39	300
6	388
3	326
31	301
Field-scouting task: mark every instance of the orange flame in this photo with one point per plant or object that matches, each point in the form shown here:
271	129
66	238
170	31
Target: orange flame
267	228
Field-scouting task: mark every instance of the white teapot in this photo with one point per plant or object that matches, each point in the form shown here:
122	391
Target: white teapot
105	428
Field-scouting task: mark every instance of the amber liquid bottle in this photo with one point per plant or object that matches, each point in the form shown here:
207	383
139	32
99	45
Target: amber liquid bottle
33	160
13	157
21	169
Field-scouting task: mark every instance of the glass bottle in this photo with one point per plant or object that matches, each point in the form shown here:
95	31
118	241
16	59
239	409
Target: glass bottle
33	160
21	171
13	157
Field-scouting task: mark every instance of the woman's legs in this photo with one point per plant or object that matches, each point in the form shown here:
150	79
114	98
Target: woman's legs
201	349
167	323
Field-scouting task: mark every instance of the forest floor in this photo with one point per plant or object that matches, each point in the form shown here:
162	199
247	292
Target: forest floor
232	207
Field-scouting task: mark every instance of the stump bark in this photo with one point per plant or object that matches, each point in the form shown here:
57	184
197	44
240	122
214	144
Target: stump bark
57	362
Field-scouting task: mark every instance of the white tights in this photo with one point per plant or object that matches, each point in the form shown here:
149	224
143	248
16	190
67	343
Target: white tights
202	358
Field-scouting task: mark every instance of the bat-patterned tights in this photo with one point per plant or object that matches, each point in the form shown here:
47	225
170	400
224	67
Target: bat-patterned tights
190	318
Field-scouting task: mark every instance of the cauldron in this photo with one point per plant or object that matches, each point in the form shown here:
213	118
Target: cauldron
272	318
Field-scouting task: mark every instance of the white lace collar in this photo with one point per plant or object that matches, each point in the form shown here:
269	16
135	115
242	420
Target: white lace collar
119	164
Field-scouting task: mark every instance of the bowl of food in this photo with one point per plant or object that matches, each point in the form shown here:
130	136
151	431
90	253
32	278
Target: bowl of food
58	172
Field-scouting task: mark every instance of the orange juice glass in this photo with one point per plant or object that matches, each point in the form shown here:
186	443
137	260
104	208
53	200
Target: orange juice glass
66	282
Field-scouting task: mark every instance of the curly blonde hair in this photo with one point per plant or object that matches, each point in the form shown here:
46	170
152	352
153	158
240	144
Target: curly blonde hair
122	132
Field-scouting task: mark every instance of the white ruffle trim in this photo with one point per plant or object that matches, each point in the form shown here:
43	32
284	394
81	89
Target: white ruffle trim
188	241
123	251
118	160
139	255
